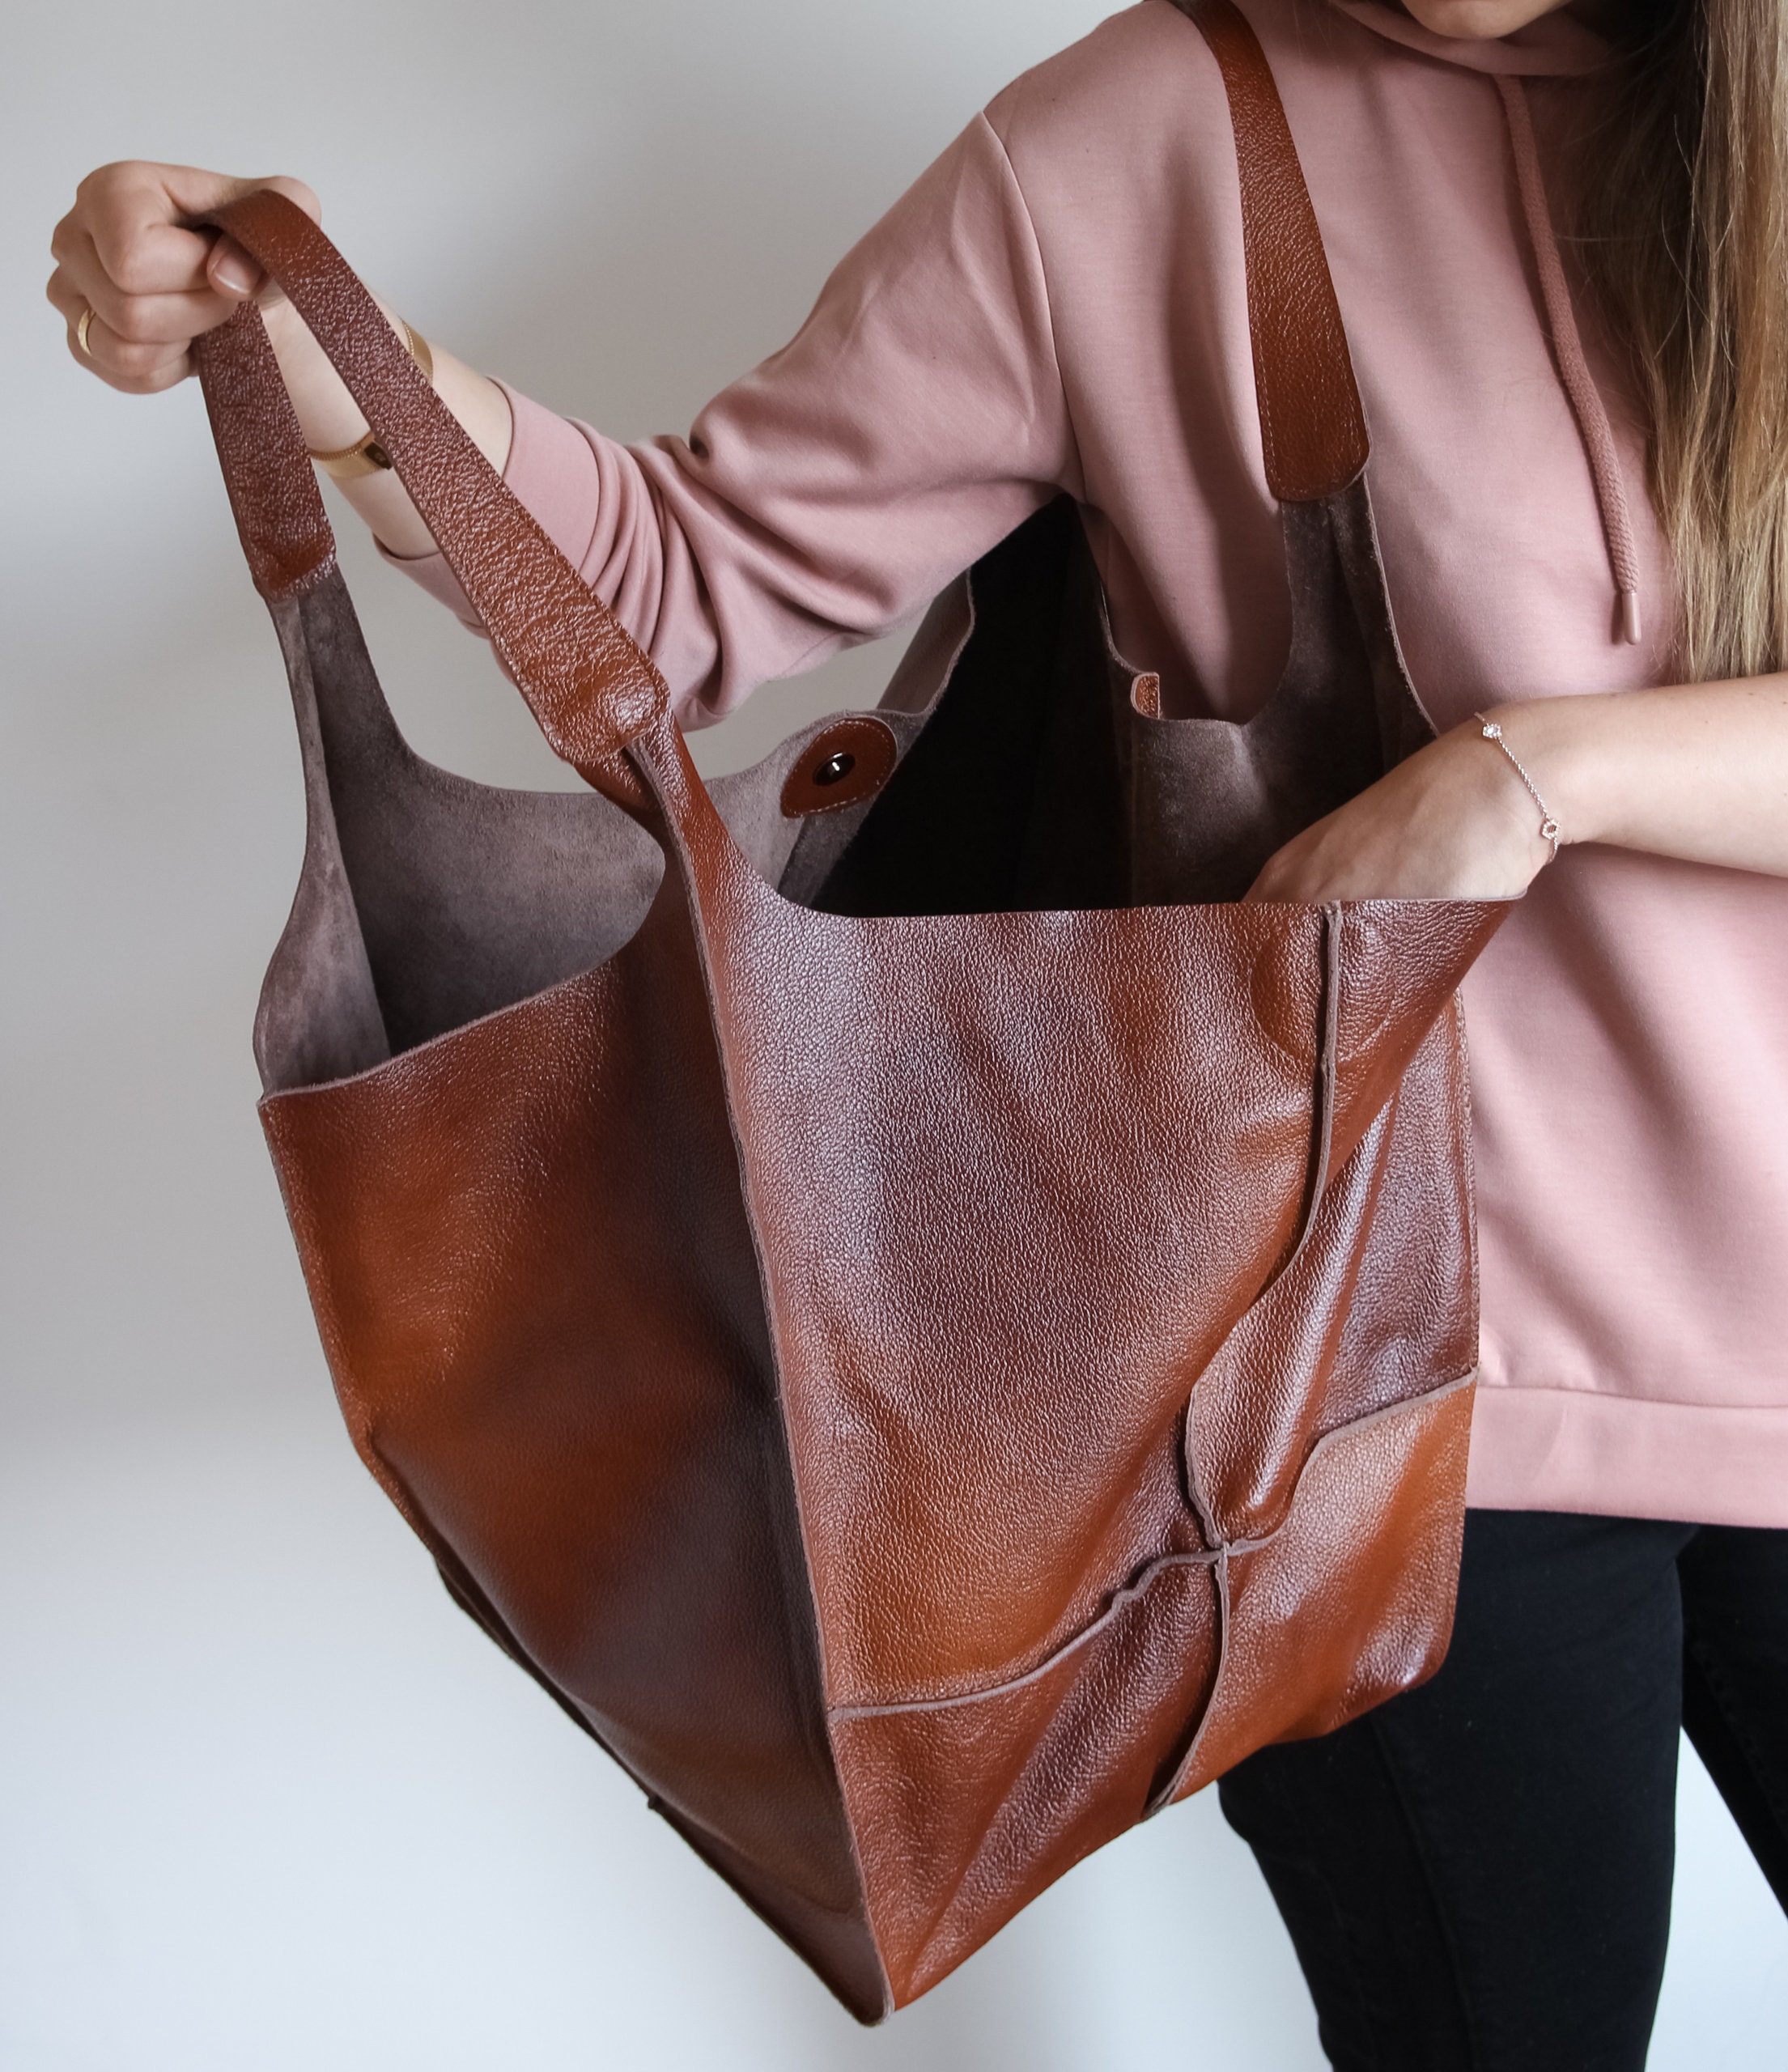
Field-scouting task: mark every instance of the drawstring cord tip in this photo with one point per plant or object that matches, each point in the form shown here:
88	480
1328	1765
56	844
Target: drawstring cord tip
1628	601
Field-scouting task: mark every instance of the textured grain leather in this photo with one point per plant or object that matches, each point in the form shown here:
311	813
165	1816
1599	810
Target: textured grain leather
274	497
1311	421
590	687
930	1329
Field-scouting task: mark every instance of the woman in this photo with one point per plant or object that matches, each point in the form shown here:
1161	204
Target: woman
1580	475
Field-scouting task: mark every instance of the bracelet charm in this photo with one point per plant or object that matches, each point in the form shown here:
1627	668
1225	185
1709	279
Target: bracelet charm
1549	829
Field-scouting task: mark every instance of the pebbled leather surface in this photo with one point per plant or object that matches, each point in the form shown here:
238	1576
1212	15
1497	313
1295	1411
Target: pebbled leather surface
992	1307
273	498
587	684
1351	1600
965	1812
1372	1308
919	1177
534	1277
1312	421
923	1388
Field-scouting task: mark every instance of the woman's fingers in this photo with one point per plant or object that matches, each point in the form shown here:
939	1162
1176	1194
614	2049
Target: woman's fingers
141	246
141	218
139	366
127	252
151	317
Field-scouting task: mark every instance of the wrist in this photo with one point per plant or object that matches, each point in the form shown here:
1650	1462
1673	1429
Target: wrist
1556	741
327	414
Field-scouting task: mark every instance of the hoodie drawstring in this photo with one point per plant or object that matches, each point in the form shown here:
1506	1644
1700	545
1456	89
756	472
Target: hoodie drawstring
1574	369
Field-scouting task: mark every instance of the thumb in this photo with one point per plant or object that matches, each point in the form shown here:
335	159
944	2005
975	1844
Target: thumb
233	273
230	270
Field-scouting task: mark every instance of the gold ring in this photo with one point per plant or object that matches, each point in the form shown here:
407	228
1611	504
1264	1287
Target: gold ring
80	330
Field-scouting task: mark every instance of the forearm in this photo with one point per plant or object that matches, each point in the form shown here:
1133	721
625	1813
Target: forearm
1698	771
330	419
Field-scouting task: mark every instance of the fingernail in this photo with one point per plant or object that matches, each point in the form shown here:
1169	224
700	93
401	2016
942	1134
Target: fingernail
233	271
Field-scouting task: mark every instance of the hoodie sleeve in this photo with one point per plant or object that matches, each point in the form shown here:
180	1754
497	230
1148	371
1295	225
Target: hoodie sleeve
916	417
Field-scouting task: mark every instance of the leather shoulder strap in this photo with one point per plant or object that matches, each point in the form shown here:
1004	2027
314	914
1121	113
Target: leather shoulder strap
591	688
1311	422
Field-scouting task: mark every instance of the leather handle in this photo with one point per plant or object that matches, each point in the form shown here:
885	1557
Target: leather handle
590	686
1312	424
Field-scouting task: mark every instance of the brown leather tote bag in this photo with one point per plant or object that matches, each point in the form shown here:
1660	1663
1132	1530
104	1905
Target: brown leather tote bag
927	1327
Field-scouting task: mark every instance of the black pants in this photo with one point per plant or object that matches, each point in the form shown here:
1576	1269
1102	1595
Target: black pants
1477	1875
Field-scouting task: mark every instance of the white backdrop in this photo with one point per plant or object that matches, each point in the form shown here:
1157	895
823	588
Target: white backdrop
267	1802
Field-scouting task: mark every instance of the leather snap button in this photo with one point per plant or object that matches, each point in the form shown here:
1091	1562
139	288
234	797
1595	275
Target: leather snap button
842	765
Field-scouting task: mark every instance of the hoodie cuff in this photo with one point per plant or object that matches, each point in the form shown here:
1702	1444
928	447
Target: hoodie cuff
552	470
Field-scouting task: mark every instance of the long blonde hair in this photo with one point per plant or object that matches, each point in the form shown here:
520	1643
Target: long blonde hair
1684	228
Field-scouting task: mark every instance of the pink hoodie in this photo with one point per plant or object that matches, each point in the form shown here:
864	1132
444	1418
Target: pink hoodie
1058	304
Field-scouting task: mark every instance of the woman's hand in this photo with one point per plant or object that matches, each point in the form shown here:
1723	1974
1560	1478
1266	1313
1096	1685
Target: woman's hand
1454	821
1695	771
125	251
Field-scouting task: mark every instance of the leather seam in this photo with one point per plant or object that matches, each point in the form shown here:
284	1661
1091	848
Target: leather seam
1170	1790
679	857
1143	1577
1126	1594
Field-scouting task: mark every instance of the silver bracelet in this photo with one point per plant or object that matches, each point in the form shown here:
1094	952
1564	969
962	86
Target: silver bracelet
1549	827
